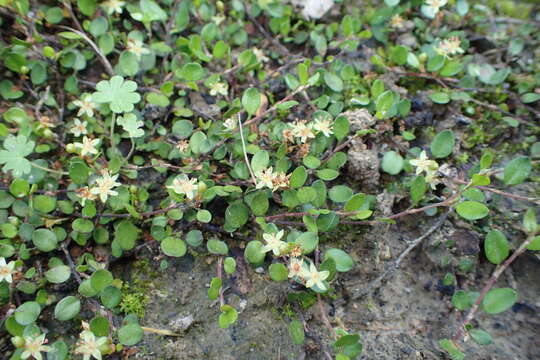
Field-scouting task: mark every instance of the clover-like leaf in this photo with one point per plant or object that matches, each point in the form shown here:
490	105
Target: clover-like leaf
14	155
120	94
131	125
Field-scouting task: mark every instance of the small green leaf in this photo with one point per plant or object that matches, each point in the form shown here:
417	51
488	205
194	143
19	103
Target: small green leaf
443	144
496	247
333	81
227	317
481	337
278	272
498	300
472	210
251	100
44	239
58	274
440	98
452	349
130	334
27	313
67	308
172	246
517	170
392	163
343	261
217	247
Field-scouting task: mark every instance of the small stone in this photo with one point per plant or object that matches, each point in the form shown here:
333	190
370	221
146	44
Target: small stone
181	324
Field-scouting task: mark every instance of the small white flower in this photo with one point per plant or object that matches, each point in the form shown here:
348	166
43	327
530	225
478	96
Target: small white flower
297	268
184	185
79	128
315	277
88	146
85	105
274	243
230	124
219	88
259	54
265	178
6	270
302	131
136	47
85	193
423	164
114	6
88	345
218	19
324	127
450	47
432	7
105	185
33	347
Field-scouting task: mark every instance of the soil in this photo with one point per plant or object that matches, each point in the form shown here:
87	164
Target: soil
403	319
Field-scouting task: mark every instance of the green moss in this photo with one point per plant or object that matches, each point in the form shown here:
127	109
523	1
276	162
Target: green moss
135	293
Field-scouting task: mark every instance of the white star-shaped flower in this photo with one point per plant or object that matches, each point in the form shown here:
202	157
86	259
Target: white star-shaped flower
423	164
105	185
219	88
274	243
79	128
88	345
302	131
324	127
88	146
6	270
265	178
114	6
85	105
297	268
184	185
33	347
315	277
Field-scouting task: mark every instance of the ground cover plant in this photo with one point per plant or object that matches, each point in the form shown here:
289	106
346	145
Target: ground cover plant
254	135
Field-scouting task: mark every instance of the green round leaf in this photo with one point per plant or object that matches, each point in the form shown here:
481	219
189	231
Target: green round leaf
472	210
344	261
229	264
443	144
44	239
308	241
498	300
44	203
496	247
481	337
58	274
392	162
278	272
67	308
130	334
110	296
340	193
253	252
333	81
101	279
251	100
194	238
217	247
173	246
517	170
27	313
